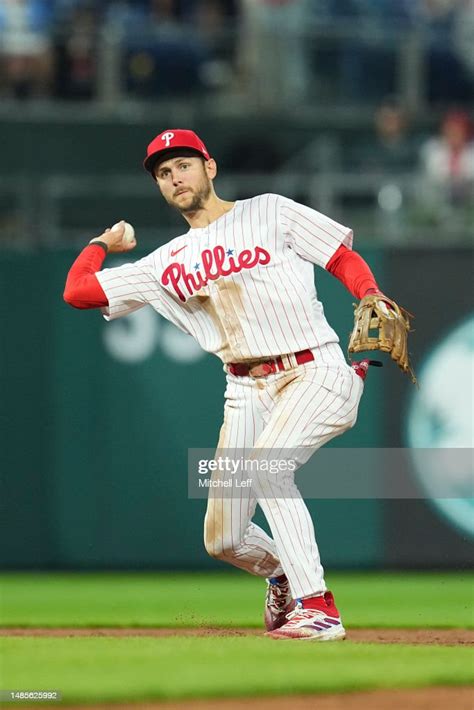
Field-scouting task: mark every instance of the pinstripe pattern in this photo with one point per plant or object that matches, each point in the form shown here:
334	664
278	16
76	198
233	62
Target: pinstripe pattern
263	311
280	414
229	533
259	302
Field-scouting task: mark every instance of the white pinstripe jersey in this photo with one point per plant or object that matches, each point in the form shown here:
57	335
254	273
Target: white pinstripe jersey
243	287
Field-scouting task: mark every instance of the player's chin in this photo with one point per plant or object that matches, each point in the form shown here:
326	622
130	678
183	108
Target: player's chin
190	205
182	201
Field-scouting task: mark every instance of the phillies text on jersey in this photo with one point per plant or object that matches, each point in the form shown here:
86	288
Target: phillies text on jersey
243	286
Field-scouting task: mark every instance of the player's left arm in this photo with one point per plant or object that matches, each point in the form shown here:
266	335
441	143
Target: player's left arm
319	239
353	271
375	311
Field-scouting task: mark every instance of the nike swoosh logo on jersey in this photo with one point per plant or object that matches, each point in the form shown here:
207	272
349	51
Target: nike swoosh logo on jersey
173	253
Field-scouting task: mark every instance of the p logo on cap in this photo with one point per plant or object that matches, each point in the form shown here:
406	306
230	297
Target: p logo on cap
173	139
168	137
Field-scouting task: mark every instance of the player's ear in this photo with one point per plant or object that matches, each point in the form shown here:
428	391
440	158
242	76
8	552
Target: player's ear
211	168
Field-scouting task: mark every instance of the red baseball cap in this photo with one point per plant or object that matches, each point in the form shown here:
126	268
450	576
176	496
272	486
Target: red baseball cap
171	140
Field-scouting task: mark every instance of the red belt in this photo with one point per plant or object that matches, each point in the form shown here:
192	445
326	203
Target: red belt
267	367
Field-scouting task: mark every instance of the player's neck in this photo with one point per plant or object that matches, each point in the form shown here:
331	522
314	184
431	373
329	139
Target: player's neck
212	210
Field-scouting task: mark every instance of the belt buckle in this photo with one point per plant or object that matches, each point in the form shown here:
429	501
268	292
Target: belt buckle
263	369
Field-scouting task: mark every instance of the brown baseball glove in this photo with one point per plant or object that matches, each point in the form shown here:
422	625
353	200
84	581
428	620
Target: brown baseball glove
380	324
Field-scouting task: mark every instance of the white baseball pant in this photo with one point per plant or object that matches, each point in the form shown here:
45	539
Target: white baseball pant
296	410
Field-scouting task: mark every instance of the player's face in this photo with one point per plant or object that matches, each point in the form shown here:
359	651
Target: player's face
185	183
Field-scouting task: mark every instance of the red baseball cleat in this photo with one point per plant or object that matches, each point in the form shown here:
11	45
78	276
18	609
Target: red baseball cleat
319	620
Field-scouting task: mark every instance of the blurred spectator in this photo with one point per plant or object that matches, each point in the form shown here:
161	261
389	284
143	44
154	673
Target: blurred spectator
370	58
391	149
76	52
160	56
273	53
215	21
26	47
385	161
449	78
447	166
464	35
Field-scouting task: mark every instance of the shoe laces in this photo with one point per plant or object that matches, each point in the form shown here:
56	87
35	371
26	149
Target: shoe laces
278	595
299	612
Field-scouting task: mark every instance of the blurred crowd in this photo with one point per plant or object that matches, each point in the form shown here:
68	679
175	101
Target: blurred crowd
286	53
54	48
442	162
403	170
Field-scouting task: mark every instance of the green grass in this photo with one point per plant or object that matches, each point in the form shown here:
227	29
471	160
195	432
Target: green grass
87	669
162	600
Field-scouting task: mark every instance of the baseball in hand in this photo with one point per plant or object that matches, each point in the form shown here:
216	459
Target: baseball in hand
129	233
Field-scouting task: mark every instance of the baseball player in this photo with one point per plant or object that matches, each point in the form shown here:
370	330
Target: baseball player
240	280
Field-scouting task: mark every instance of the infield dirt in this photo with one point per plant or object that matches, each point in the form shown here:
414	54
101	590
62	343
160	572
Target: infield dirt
438	637
419	699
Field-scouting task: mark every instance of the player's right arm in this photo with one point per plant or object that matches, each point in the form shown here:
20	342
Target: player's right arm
83	289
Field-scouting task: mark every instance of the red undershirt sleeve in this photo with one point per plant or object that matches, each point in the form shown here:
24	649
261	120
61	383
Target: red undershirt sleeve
83	289
351	270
